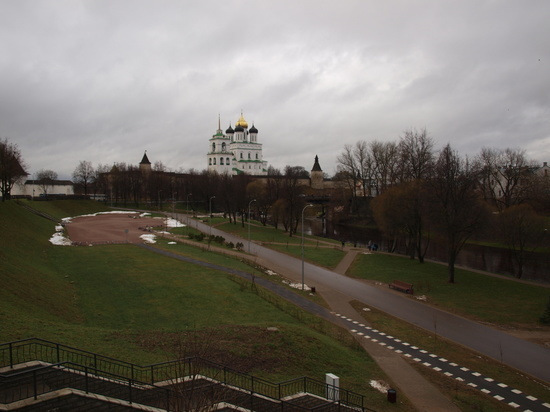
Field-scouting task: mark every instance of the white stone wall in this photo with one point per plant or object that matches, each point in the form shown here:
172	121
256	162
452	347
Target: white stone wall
36	190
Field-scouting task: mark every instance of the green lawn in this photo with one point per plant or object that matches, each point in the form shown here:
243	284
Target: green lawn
268	234
328	257
495	300
489	299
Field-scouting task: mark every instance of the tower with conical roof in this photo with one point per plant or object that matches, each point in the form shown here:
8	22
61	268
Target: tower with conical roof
145	164
316	175
237	151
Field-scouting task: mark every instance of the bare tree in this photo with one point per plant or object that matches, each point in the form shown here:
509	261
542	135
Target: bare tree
400	212
46	179
101	180
355	170
231	192
348	172
455	206
185	376
83	175
116	182
274	187
522	230
505	176
135	182
364	162
159	167
12	168
292	190
539	192
387	212
257	190
385	160
416	152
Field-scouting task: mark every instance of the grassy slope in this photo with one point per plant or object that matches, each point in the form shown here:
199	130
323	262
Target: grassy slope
111	299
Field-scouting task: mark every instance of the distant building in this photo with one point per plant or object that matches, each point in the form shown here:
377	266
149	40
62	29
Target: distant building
37	188
543	171
316	176
145	164
236	151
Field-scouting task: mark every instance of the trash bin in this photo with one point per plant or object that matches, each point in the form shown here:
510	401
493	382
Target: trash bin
313	289
392	395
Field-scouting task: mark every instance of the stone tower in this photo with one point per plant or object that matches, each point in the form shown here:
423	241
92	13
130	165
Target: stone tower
145	164
316	175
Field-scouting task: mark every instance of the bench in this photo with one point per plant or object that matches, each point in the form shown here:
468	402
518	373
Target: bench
402	286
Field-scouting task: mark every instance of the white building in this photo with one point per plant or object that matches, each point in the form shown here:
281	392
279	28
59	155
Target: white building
237	151
36	188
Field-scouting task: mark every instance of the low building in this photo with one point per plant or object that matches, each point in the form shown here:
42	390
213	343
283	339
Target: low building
38	188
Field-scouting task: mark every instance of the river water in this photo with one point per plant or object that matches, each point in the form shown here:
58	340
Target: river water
486	258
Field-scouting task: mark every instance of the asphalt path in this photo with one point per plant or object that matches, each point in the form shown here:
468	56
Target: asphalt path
520	354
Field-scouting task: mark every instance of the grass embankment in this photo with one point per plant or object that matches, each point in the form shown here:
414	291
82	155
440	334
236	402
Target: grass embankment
127	303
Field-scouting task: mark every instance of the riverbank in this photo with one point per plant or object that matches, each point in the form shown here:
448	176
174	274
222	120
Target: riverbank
473	256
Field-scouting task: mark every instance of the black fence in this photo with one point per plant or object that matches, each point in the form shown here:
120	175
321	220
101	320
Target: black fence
51	367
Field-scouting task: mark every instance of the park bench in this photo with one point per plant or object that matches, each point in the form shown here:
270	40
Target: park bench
402	286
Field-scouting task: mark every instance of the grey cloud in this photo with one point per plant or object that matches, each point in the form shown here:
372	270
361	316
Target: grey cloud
103	81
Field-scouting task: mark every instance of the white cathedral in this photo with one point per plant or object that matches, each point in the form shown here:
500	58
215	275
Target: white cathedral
237	151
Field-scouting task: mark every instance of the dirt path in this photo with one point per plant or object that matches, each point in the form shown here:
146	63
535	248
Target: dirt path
110	228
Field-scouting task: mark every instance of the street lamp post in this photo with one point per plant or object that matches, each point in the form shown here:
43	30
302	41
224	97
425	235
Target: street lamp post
187	211
303	210
188	194
249	203
210	215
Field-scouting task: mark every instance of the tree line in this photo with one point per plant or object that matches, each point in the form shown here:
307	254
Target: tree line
419	193
412	192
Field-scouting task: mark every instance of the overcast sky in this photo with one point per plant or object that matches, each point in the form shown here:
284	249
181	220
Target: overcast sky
105	80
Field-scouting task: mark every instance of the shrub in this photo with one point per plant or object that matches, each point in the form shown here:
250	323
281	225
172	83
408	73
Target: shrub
197	236
545	318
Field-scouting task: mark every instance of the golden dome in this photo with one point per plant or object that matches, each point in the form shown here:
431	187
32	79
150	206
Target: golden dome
241	122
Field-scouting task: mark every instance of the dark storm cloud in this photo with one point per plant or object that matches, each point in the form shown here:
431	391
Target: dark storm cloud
105	80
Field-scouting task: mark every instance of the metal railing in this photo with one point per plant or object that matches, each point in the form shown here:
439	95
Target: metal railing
36	381
123	380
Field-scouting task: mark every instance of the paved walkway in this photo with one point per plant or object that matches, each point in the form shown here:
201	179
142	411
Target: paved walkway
420	392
